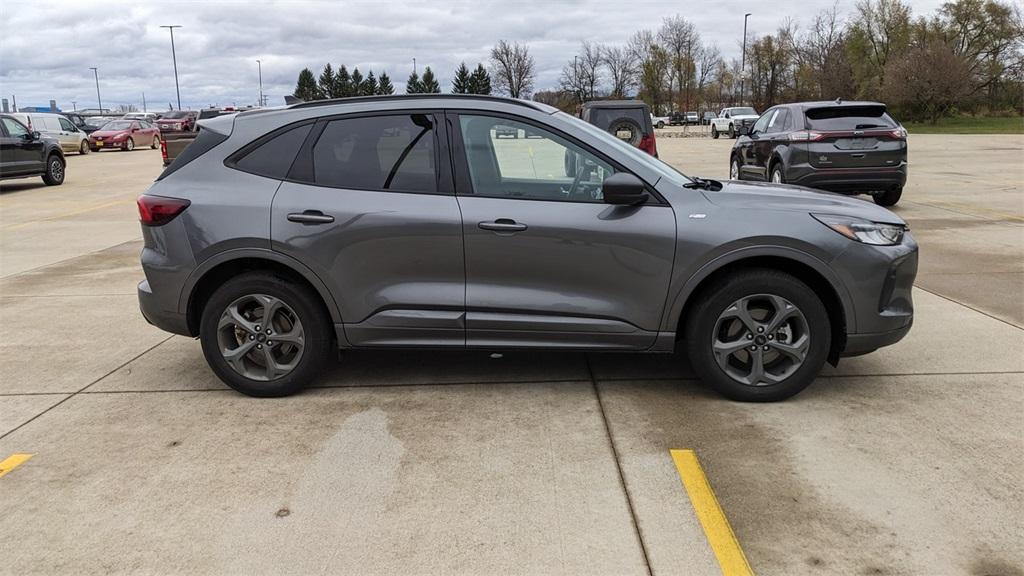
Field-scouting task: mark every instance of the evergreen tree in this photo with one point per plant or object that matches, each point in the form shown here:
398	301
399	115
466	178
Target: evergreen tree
356	83
413	84
326	84
384	85
369	86
480	81
461	82
306	88
342	83
429	83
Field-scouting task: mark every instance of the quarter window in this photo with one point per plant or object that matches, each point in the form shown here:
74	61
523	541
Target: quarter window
274	157
394	153
510	159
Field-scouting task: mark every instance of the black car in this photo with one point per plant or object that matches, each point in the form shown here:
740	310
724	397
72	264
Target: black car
628	120
847	147
24	153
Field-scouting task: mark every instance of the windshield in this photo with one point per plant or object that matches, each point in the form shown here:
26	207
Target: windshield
646	159
175	115
119	125
743	112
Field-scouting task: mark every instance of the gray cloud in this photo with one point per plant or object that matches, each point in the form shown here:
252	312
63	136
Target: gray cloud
46	49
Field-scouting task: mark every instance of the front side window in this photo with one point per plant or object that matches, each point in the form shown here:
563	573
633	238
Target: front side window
14	128
762	123
511	159
395	153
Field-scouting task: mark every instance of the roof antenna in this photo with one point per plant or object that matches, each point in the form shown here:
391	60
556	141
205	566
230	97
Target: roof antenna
839	100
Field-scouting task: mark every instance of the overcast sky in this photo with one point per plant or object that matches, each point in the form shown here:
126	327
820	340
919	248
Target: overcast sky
47	48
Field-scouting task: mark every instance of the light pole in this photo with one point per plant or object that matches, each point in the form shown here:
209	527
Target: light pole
413	65
74	106
96	74
174	58
743	59
259	67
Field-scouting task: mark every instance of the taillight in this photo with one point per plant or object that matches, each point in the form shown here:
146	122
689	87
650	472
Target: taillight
163	148
805	136
158	210
648	145
899	134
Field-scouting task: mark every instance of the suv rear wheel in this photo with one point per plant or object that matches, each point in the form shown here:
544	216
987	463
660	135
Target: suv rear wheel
732	131
54	175
889	197
758	336
264	335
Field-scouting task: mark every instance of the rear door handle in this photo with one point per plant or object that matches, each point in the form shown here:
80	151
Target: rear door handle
502	225
310	217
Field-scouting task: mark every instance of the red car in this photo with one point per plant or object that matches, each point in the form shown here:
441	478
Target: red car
125	134
178	121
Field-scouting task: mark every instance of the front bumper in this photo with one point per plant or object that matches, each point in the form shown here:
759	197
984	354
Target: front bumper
880	282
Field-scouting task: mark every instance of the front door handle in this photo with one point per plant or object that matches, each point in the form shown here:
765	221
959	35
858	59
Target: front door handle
502	225
310	217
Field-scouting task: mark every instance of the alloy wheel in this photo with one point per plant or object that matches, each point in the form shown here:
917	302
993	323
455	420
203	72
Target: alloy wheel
734	170
761	340
777	176
56	169
260	337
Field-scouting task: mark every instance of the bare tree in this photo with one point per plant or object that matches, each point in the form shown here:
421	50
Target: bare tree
708	61
681	41
513	69
581	76
621	65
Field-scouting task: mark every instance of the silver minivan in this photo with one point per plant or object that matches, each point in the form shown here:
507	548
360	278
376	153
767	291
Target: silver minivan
58	127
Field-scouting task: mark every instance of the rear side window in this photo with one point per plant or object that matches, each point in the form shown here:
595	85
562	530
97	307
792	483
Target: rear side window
849	118
274	157
203	143
394	153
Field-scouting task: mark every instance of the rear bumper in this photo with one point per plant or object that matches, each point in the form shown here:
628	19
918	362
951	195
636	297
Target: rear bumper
155	314
848	180
857	344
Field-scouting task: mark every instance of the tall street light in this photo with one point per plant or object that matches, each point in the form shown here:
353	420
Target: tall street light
743	59
174	58
259	67
96	74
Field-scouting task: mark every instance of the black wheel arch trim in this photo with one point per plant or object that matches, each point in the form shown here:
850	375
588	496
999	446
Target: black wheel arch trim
681	296
200	271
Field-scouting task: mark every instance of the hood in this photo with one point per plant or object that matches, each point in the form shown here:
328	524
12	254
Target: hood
744	117
108	133
768	196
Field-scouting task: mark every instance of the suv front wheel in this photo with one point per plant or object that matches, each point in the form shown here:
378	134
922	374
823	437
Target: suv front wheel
54	175
758	336
264	335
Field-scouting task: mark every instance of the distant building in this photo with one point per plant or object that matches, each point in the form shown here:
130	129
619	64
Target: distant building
37	109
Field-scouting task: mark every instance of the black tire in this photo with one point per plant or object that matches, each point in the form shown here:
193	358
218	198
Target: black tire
889	197
626	123
155	143
661	125
55	169
732	132
713	301
316	326
714	132
83	148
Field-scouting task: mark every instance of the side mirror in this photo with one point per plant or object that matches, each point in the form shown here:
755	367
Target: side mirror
623	189
33	135
747	130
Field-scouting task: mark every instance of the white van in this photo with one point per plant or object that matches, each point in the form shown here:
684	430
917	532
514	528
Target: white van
58	127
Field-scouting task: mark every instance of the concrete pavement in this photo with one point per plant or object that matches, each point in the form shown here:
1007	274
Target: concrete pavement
905	461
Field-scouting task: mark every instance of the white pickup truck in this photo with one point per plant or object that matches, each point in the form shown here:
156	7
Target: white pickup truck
730	120
659	121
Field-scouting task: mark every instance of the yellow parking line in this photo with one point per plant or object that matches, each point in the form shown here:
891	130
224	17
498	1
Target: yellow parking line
716	527
13	462
66	214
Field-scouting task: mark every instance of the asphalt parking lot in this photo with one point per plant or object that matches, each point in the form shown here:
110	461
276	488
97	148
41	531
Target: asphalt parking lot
906	461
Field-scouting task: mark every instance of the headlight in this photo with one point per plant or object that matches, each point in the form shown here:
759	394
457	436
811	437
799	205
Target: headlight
866	231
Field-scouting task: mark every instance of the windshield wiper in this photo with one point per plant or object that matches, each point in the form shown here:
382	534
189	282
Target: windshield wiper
702	184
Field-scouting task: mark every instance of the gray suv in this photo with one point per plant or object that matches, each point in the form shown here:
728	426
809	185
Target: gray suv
280	235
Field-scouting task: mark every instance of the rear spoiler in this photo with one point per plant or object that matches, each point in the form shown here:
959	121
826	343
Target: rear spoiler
221	124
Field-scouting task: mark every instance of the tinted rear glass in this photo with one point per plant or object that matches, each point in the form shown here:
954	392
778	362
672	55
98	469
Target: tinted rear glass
274	157
377	153
603	117
849	118
203	143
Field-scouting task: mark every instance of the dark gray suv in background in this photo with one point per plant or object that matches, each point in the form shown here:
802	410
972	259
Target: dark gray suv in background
280	235
848	147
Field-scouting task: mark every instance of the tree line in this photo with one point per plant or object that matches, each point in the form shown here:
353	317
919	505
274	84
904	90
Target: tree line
966	57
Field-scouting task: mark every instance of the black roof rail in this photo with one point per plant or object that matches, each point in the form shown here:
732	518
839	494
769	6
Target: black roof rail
527	103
